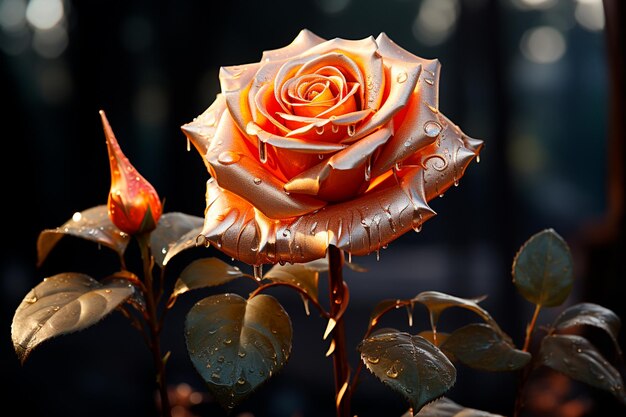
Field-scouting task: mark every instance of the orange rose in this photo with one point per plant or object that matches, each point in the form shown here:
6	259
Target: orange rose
322	143
133	204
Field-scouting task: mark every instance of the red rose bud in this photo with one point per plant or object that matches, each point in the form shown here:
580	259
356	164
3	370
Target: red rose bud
133	203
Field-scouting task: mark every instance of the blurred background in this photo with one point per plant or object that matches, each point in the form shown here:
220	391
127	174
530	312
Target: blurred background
538	80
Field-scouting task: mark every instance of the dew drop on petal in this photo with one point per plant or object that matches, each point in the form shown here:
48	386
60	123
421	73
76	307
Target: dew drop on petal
257	181
432	129
262	151
351	130
319	130
402	77
228	158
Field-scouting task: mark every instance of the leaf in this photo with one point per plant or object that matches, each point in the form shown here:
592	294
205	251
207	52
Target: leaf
206	272
436	302
92	224
237	344
543	269
445	407
410	365
382	307
61	304
577	358
479	346
174	233
304	276
589	314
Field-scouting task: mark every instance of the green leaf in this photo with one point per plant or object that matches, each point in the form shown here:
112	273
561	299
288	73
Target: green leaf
577	358
61	304
479	346
436	302
305	276
589	314
445	407
543	269
410	365
174	233
237	344
203	273
92	224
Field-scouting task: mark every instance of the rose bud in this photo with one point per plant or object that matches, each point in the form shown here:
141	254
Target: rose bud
133	203
325	142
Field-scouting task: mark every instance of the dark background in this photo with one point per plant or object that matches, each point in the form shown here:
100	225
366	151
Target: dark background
537	80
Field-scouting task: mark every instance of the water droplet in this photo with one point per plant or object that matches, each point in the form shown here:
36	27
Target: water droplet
258	272
429	81
313	227
257	181
432	129
31	300
242	354
241	381
107	291
262	151
334	128
351	130
221	359
407	143
228	157
215	376
368	169
188	145
320	156
373	359
402	77
392	372
286	233
456	182
478	159
349	257
228	341
319	130
164	251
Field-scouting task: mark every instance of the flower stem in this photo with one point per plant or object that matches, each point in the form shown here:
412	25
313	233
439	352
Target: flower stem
154	322
341	368
519	398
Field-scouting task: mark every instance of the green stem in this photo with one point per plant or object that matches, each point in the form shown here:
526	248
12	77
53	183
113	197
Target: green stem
154	322
337	297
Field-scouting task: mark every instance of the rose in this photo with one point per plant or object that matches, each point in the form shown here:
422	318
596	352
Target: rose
133	204
322	143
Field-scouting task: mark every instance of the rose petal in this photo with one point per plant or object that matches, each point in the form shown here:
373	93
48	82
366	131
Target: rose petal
235	83
202	129
304	146
266	107
364	53
401	80
445	160
359	226
420	127
302	43
237	169
344	174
